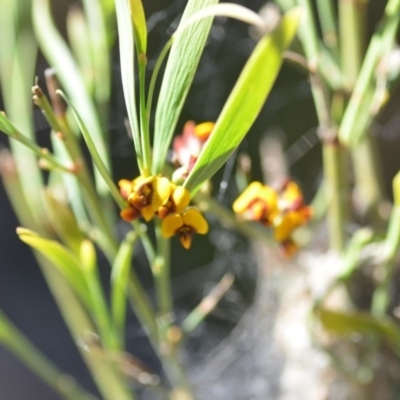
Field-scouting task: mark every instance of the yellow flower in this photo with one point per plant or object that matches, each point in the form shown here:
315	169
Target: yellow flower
178	200
203	130
290	197
284	210
144	195
285	224
257	203
184	225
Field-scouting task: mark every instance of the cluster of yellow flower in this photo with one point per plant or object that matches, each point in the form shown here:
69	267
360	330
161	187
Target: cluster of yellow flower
283	210
157	196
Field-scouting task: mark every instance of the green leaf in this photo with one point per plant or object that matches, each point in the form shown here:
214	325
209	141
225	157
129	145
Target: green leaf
120	282
179	73
64	222
245	100
358	112
139	25
98	162
67	263
60	57
345	324
127	54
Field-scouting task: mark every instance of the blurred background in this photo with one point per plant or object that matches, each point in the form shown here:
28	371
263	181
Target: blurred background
288	114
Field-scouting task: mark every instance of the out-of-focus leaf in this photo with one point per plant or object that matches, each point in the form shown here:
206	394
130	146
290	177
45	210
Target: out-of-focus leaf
139	25
59	56
127	54
358	112
345	324
179	73
67	263
64	222
100	51
245	100
120	282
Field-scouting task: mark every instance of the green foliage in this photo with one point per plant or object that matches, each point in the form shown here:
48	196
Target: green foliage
245	101
182	63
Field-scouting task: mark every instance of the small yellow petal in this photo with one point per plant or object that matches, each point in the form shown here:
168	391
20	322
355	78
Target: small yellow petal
160	192
194	219
125	188
171	225
181	198
147	213
203	130
250	193
286	224
186	239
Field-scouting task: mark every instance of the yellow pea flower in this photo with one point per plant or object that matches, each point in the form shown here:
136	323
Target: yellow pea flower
178	200
144	195
257	203
185	225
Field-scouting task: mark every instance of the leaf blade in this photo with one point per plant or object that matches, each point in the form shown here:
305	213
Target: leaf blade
245	101
182	63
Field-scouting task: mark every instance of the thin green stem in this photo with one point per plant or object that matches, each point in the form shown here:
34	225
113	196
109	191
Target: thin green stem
335	160
328	19
381	297
161	273
228	219
49	161
18	344
101	167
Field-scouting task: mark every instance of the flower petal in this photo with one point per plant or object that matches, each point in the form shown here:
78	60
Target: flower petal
203	130
181	198
129	214
160	192
125	188
250	193
147	213
171	225
194	219
186	239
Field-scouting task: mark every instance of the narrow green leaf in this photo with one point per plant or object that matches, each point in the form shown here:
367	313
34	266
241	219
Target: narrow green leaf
120	282
245	100
127	54
59	56
18	344
64	222
358	112
179	73
98	162
139	25
345	324
60	257
100	51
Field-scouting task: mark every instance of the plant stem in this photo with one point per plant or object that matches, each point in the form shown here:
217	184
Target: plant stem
353	17
335	161
161	273
18	344
329	29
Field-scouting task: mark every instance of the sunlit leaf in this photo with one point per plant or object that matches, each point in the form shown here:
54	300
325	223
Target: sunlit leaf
245	100
179	73
345	324
66	262
127	54
59	56
139	25
64	222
